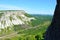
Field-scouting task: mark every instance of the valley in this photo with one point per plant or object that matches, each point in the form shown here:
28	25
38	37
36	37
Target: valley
19	25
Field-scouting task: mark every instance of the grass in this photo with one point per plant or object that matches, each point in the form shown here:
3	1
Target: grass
34	33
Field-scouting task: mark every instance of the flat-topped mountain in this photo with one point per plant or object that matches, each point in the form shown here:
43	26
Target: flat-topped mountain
9	18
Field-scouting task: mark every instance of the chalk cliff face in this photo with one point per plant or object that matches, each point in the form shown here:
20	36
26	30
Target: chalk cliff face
8	18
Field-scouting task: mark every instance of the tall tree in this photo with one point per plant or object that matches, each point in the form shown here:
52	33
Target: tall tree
53	31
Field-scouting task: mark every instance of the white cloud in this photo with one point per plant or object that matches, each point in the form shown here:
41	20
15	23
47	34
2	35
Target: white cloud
28	10
9	7
12	7
49	12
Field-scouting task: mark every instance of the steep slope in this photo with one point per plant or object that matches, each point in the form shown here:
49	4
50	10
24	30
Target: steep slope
11	18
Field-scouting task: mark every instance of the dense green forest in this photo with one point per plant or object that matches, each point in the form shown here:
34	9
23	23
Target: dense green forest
36	32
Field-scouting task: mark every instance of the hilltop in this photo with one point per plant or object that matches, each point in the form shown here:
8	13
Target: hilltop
10	18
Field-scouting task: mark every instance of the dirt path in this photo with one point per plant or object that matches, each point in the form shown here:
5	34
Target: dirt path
15	33
10	35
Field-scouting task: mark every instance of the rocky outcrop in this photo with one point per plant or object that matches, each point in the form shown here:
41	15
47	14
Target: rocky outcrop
13	17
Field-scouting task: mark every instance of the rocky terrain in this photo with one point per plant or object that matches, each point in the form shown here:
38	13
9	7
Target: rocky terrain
10	18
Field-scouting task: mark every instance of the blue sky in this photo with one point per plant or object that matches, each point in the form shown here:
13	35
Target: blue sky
30	6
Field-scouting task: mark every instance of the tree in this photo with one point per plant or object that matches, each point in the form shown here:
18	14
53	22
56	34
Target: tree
53	31
37	37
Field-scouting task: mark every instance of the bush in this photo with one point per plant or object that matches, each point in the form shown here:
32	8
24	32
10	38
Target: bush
7	39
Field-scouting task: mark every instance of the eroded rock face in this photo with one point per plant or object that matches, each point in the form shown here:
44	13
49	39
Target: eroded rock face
13	17
53	31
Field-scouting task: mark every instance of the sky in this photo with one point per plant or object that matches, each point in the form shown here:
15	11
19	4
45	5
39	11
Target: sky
30	6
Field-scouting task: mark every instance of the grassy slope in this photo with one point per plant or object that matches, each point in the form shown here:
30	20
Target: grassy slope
41	21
